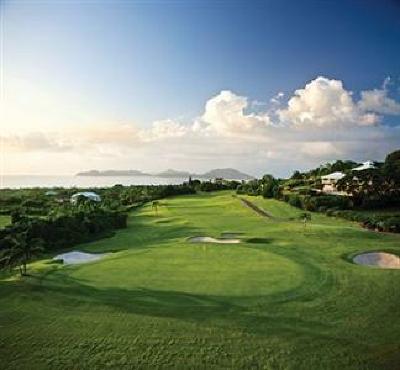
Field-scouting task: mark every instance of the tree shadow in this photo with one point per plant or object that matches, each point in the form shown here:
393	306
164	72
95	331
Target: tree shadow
259	240
201	309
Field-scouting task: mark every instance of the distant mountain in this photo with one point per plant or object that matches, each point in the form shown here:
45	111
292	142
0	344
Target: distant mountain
173	173
225	173
112	173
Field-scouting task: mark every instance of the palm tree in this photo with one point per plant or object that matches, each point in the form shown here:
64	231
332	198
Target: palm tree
155	205
13	255
20	252
305	217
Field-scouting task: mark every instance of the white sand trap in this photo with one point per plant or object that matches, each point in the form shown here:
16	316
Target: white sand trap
378	259
208	239
74	258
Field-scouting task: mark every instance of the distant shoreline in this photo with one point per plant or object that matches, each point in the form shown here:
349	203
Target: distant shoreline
225	173
82	182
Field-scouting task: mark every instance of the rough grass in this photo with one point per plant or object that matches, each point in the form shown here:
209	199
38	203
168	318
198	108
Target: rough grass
4	220
285	298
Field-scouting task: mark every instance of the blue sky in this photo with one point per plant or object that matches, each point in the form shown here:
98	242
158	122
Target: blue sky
136	62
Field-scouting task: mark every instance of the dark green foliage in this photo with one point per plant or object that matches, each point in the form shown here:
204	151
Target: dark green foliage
391	167
297	175
270	186
20	250
267	186
295	201
378	222
65	230
327	201
215	186
252	187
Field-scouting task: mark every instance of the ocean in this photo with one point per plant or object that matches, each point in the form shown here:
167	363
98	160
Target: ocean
38	181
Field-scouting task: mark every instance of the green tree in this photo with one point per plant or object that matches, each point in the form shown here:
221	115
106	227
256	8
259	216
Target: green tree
391	168
365	186
269	186
20	251
297	175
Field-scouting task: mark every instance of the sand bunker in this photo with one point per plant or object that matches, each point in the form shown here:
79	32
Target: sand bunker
378	259
208	239
74	258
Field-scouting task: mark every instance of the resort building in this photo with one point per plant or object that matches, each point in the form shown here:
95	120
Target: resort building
368	165
87	194
329	182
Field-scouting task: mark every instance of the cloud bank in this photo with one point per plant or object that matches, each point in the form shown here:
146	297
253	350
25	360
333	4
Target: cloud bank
318	122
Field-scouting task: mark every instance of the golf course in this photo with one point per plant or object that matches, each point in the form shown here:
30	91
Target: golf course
286	296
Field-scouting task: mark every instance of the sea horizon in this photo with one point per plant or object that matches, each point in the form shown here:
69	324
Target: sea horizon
72	181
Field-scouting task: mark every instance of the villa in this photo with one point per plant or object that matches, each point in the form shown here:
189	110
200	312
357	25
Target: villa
87	194
329	181
368	165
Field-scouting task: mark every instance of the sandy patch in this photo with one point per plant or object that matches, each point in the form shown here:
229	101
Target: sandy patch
378	259
208	239
74	258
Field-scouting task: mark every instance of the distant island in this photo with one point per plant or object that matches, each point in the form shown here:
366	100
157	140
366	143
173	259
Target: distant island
112	173
224	173
174	173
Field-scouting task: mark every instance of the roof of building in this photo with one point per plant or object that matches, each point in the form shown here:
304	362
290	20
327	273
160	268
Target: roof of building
333	176
87	194
51	192
365	166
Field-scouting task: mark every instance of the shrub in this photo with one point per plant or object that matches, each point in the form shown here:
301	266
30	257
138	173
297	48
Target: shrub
392	224
295	201
329	201
67	229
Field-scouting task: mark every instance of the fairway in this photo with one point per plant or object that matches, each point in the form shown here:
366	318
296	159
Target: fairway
285	297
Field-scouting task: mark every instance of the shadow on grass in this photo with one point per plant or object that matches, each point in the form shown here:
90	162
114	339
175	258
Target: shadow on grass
195	308
259	240
260	314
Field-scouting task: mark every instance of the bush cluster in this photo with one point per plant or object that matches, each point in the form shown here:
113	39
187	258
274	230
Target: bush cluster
385	223
215	186
319	203
65	230
339	206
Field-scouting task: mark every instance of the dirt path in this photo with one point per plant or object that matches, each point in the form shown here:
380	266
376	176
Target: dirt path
259	210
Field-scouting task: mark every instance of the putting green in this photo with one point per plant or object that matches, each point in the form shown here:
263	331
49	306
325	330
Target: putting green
211	270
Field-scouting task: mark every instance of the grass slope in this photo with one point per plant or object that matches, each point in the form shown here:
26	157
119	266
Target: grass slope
285	298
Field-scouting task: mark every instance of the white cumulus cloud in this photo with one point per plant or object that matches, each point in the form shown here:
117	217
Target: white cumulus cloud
225	114
325	102
163	129
378	101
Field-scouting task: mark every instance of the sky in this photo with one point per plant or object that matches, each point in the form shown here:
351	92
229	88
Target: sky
262	86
